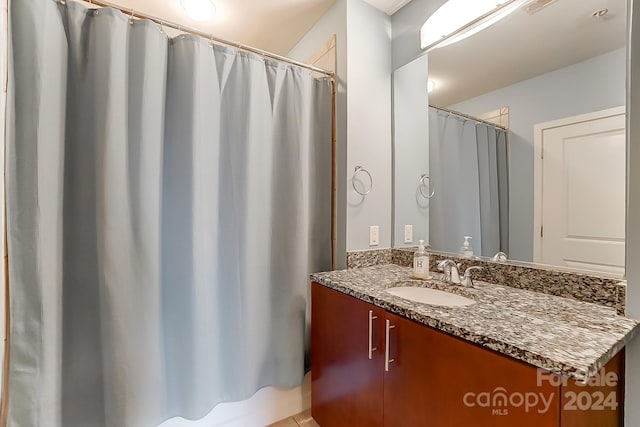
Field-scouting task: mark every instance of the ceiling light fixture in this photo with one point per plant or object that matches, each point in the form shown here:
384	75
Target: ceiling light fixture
199	10
458	19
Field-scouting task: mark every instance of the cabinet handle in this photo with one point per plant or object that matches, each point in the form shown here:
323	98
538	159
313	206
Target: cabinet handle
371	347
389	326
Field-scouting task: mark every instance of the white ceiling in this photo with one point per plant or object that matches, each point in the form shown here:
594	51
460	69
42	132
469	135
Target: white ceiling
271	25
523	46
388	6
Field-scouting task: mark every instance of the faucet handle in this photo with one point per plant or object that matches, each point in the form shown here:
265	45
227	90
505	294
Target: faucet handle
466	279
446	269
446	266
500	256
442	264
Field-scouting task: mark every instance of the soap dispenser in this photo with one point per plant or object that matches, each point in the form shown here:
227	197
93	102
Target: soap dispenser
421	262
466	250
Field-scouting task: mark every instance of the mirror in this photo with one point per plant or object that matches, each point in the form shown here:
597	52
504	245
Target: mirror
525	151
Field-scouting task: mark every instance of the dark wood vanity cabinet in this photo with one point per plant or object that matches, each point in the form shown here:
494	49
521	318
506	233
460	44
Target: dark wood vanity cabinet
374	368
347	367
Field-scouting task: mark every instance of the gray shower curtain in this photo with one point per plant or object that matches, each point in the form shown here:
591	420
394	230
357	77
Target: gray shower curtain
468	164
166	200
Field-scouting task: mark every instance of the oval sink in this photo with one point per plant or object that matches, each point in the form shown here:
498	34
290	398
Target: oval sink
430	296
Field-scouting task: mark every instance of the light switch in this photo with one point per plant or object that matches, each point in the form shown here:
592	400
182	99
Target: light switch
374	235
408	233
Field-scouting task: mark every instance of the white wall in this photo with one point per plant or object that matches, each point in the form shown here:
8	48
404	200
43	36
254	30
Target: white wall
406	24
369	122
363	43
333	22
410	150
592	85
632	396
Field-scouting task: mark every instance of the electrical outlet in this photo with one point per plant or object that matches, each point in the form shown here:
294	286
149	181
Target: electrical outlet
408	233
374	235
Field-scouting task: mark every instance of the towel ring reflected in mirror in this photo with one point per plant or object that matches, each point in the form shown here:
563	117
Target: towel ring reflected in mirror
357	170
425	181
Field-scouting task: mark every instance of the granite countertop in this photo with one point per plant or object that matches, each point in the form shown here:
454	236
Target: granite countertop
558	334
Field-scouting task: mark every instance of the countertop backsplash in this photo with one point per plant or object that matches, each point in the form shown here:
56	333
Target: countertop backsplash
369	258
586	287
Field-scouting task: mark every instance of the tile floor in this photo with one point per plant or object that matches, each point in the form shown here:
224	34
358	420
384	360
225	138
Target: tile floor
303	419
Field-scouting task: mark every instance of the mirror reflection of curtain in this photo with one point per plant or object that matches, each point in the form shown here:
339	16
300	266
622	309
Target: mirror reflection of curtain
469	168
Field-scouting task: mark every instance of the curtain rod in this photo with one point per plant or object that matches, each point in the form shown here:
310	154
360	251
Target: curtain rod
164	23
468	117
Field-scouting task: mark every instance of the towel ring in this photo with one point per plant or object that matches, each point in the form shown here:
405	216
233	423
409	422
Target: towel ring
357	170
424	181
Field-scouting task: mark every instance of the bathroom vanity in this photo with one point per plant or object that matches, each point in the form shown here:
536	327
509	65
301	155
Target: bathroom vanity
513	358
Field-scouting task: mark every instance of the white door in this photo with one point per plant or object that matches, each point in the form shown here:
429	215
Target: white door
581	192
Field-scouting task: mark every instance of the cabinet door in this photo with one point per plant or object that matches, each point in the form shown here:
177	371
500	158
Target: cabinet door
346	377
598	403
438	380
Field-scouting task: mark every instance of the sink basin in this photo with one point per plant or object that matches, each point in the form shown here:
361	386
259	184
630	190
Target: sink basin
430	296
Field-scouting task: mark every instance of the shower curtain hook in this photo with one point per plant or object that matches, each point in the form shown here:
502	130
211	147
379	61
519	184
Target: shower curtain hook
131	16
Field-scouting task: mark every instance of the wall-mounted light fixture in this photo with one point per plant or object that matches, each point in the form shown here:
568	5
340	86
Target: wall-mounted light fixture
431	85
199	10
458	19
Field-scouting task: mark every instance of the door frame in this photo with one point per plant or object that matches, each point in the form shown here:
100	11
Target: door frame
538	132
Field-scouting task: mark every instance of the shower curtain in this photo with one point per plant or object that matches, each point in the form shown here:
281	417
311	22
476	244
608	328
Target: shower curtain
166	200
468	164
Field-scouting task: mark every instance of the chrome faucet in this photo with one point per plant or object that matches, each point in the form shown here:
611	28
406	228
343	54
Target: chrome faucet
451	272
466	279
500	256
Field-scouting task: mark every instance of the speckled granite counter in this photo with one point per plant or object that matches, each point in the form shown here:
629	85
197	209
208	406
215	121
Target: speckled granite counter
561	335
580	285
